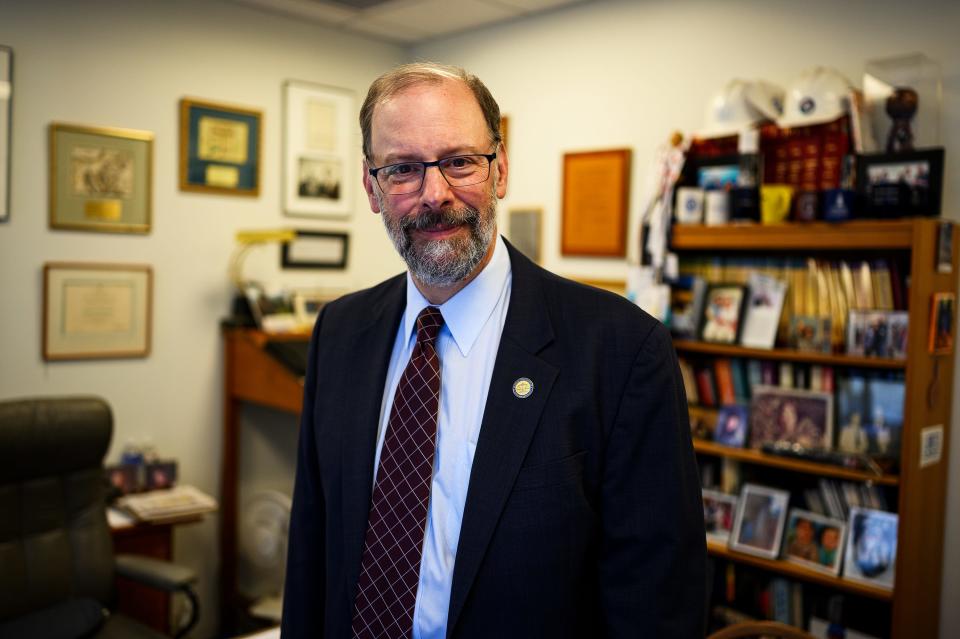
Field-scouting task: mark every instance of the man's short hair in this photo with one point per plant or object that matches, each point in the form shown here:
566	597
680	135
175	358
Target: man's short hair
407	75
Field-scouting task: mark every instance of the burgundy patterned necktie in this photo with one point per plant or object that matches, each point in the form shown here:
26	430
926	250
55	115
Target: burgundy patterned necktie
390	568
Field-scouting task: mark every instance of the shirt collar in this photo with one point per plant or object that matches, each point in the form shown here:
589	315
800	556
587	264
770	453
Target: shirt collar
465	313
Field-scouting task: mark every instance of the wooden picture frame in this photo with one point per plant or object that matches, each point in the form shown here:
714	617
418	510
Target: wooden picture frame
101	178
596	194
317	250
320	169
96	311
6	126
525	231
220	148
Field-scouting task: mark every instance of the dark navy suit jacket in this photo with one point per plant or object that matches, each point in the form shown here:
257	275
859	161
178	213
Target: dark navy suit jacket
583	514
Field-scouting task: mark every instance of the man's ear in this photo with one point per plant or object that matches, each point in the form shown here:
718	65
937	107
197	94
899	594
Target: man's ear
502	166
369	187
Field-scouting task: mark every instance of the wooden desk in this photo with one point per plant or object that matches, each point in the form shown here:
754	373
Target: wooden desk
251	375
146	604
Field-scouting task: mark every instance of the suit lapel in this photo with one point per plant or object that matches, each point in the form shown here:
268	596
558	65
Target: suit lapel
371	347
508	423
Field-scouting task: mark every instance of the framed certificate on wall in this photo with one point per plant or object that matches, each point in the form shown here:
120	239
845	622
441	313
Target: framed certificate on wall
220	148
596	190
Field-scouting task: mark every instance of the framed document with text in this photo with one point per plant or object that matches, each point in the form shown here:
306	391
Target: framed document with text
96	311
319	142
220	148
596	191
101	178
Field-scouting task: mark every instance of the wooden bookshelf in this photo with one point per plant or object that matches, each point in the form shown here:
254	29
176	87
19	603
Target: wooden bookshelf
787	569
914	605
819	236
787	355
760	458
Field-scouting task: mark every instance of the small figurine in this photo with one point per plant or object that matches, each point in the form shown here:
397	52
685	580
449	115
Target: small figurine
901	107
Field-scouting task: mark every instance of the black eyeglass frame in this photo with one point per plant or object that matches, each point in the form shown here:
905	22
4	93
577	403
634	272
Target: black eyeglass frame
490	157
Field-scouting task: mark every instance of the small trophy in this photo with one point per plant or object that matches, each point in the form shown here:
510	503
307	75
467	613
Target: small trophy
901	107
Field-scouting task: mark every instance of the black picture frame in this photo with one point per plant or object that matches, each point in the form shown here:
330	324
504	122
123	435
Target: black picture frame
716	313
905	184
316	250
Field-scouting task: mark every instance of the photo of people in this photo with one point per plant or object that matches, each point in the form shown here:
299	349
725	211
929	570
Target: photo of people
721	313
814	541
870	414
798	417
161	475
731	428
871	548
718	512
320	178
758	527
878	333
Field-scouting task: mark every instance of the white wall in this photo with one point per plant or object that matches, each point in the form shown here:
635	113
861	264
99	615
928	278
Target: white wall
625	74
127	63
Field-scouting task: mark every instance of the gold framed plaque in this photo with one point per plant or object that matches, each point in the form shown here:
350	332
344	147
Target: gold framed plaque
220	148
101	178
96	311
596	191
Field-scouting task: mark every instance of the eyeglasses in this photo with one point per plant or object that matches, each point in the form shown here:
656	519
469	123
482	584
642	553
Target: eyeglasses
458	171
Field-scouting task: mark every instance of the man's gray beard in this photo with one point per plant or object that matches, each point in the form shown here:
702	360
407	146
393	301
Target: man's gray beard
442	262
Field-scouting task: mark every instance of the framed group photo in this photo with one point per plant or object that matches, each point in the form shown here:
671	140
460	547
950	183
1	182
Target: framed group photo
319	163
791	416
96	311
814	541
220	148
101	178
902	184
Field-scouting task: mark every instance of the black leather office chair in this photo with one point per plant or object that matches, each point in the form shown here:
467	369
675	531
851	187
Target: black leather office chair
56	552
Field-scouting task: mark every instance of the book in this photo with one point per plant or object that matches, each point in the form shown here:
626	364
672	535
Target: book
786	375
706	387
724	378
167	504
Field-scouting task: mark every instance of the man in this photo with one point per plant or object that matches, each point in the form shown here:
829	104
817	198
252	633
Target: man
486	449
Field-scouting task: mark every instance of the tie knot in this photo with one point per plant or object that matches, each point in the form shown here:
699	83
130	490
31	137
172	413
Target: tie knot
429	322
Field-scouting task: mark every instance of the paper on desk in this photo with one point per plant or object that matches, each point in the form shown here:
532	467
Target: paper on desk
119	519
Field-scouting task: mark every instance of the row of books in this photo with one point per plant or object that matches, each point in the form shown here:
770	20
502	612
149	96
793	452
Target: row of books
728	380
824	289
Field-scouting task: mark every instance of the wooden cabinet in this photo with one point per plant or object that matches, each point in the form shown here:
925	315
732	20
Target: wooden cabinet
913	606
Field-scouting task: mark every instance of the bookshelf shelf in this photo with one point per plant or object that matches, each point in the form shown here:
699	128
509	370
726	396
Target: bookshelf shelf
787	355
796	465
718	549
862	235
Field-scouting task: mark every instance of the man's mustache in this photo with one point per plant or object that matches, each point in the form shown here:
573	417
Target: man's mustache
443	217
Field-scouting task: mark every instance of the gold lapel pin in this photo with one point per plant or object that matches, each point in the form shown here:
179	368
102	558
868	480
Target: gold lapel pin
523	388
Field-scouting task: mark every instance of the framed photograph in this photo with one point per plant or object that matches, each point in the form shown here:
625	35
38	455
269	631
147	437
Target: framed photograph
943	311
731	428
871	549
811	333
814	541
718	513
319	142
220	148
901	184
793	416
878	333
6	125
945	247
124	479
316	249
160	475
96	311
722	310
101	179
526	231
758	526
596	194
762	313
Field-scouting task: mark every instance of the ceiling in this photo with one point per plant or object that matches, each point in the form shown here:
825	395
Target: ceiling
407	21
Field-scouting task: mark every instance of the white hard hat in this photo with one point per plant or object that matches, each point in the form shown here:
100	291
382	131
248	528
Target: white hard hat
740	105
818	96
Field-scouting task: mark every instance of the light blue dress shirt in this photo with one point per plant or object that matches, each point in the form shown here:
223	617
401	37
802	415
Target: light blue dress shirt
467	346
